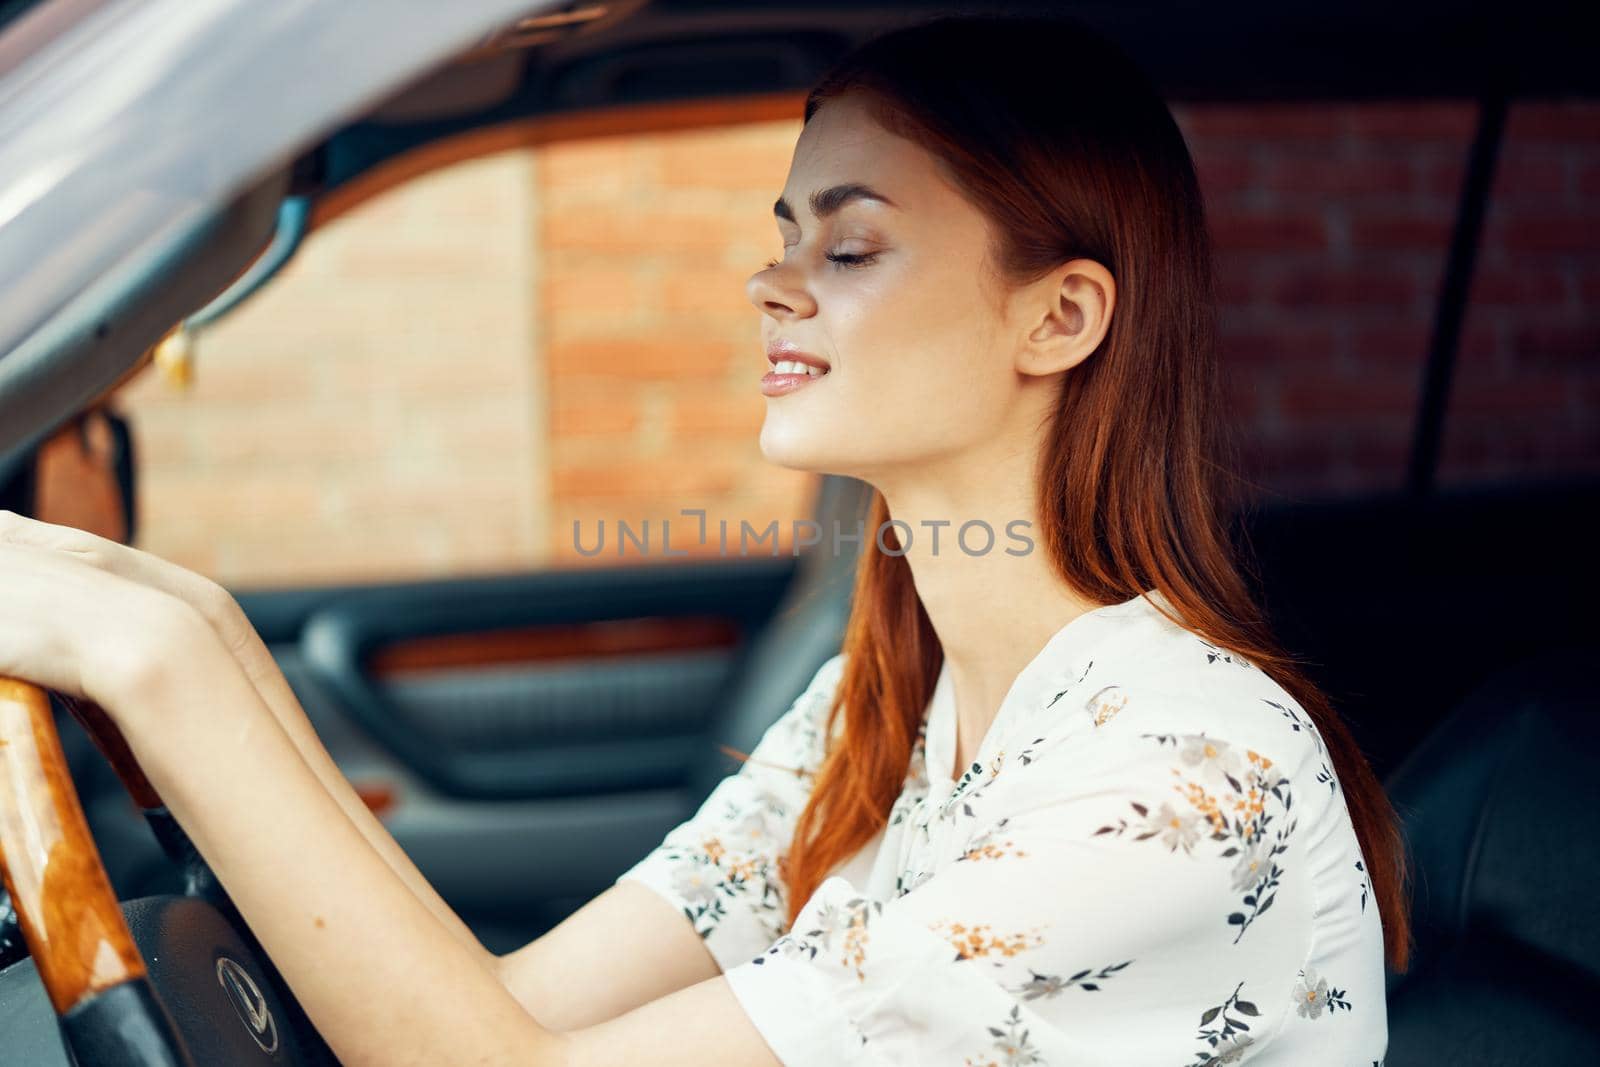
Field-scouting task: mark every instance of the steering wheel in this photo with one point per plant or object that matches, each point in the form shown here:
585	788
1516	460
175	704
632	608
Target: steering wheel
166	981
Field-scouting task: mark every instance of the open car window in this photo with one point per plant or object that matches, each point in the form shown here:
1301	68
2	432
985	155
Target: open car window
1524	403
451	375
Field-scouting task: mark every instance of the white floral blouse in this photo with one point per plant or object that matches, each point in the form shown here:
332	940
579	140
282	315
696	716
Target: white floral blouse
1149	862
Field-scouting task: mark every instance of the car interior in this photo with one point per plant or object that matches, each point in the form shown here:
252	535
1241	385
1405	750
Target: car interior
547	728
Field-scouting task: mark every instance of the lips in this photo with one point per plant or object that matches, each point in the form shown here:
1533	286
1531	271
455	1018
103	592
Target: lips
792	369
787	352
789	366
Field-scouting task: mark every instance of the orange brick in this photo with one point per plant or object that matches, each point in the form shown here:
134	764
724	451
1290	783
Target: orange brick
196	501
499	437
670	476
1297	121
640	358
225	378
286	435
607	162
715	162
597	450
454	367
719	416
439	257
674	231
707	292
477	491
612	416
587	290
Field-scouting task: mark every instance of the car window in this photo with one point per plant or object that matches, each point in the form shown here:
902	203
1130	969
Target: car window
1525	399
451	374
1332	224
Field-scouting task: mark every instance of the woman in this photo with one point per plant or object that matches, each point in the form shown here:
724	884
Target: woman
1059	799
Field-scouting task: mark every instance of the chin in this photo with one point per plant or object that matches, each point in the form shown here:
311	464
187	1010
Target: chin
796	447
791	455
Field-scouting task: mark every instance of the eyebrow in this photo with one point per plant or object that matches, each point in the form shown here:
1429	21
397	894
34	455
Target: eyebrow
825	202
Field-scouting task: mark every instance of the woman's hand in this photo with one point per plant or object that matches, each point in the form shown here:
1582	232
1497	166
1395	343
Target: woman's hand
382	979
384	971
70	626
209	601
206	597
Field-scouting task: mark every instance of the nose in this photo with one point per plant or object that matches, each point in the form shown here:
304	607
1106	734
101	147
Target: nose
777	291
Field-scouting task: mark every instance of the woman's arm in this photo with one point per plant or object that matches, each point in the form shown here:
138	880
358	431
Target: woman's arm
707	899
621	951
382	978
228	621
377	972
625	948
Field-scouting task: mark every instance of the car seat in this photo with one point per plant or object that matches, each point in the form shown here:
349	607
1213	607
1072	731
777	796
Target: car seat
1498	805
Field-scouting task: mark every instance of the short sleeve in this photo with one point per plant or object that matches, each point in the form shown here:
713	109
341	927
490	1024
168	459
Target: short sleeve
1131	900
720	866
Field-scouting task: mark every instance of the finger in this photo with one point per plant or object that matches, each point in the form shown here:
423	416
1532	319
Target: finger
89	547
21	530
45	604
64	622
200	592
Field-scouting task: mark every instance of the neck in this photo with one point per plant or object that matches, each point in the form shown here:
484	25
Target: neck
992	610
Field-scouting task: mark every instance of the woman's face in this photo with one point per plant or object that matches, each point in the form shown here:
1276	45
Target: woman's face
920	364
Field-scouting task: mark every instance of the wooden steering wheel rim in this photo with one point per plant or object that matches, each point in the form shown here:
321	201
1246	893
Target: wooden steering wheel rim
67	911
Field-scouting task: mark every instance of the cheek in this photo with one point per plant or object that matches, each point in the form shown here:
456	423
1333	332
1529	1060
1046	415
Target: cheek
918	376
921	335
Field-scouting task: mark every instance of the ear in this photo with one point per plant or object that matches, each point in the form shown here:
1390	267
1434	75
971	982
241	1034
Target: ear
1069	314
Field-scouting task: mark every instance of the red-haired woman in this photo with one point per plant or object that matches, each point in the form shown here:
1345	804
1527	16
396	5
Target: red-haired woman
1060	798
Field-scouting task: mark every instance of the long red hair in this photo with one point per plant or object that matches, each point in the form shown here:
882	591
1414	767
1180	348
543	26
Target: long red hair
1060	141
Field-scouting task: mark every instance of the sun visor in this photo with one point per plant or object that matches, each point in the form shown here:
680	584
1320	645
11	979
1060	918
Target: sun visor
144	150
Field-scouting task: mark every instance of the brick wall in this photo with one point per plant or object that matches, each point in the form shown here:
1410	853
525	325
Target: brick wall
653	351
1526	399
372	412
1332	225
447	378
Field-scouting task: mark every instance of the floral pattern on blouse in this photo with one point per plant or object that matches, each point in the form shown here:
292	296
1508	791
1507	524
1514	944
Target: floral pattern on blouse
723	866
1312	994
847	923
1011	1046
1223	797
1224	1032
1138	867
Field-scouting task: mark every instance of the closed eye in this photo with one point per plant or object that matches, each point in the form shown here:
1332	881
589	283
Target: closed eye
848	260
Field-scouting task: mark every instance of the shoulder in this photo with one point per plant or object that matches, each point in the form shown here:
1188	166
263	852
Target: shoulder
818	694
796	738
1160	685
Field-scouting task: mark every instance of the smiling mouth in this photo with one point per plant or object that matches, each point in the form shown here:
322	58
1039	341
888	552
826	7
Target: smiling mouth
793	366
786	376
